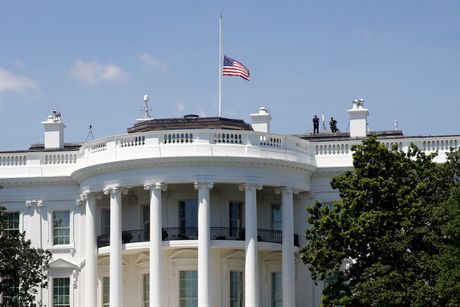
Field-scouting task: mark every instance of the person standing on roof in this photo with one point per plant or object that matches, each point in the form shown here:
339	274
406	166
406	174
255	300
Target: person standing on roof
315	124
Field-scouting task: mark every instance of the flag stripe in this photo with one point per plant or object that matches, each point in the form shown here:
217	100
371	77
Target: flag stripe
235	68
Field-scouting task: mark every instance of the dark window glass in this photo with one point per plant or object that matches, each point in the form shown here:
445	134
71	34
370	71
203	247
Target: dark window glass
188	217
235	219
276	217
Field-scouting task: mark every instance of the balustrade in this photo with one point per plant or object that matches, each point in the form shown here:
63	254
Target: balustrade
59	158
299	149
13	160
191	233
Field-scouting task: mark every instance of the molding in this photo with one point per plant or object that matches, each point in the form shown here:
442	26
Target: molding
191	161
289	189
246	186
198	185
37	181
115	190
38	203
156	186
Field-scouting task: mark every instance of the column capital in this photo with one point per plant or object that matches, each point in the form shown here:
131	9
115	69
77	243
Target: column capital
203	184
81	199
287	189
246	186
114	190
38	203
156	186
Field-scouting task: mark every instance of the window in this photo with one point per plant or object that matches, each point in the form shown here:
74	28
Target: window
12	224
235	219
188	289
10	293
277	294
276	217
146	221
105	291
61	292
105	222
236	289
188	217
146	291
330	278
61	227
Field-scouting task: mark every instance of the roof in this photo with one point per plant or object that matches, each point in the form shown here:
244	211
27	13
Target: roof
190	121
345	136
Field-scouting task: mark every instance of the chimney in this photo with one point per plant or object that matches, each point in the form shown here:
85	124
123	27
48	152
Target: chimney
54	131
358	119
261	120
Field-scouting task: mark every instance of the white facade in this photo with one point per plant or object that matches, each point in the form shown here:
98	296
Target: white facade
198	216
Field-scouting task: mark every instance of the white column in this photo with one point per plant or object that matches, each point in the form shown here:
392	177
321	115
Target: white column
156	242
251	266
90	250
204	259
116	264
288	276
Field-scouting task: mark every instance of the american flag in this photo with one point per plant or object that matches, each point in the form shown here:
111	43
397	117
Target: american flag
235	68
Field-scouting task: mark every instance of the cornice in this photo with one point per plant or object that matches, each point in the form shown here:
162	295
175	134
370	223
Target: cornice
37	181
188	161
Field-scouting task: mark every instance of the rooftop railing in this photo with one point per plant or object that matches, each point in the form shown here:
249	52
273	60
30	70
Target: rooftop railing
427	144
208	143
156	144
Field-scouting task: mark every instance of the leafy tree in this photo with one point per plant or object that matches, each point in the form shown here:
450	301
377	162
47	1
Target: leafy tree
22	268
449	261
383	239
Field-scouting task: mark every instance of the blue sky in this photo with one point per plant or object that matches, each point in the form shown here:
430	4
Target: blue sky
94	60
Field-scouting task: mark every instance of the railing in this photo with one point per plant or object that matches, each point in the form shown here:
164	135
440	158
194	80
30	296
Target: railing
131	141
191	233
178	138
13	160
224	142
428	144
59	158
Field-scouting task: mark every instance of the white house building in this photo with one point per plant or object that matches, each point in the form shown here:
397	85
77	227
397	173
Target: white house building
186	211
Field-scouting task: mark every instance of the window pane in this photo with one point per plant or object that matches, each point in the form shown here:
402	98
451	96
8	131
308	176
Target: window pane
105	221
277	294
235	219
188	217
106	291
10	293
61	292
276	217
188	288
12	223
61	227
236	289
146	279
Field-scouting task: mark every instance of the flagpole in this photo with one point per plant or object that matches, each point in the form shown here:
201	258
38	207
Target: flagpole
220	65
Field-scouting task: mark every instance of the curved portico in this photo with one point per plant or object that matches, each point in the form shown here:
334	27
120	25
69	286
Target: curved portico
212	189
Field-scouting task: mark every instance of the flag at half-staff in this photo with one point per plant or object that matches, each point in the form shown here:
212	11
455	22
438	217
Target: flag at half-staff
232	67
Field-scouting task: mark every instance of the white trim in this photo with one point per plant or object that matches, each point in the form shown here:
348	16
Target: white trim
51	288
50	241
271	264
177	264
232	262
142	272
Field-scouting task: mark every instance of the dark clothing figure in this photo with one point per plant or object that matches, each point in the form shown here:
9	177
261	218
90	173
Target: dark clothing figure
315	124
333	125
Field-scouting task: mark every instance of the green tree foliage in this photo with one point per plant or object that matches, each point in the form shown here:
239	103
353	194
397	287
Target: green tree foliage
22	268
383	240
448	285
